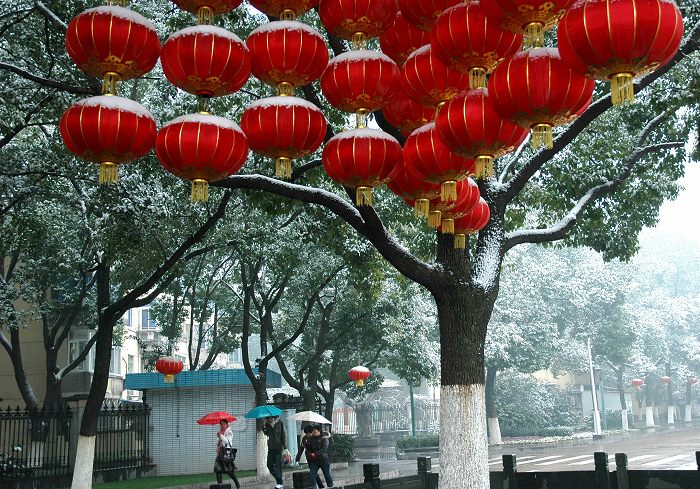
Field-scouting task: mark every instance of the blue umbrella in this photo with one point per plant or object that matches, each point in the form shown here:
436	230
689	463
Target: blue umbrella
263	412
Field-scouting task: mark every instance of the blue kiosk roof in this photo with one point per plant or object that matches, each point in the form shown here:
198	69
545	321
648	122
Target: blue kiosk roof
197	378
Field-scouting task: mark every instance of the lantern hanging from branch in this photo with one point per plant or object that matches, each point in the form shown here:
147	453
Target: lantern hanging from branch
637	383
665	380
423	13
169	367
201	148
284	128
411	187
401	39
361	159
284	9
620	40
359	375
357	20
536	89
692	381
467	195
471	223
112	43
464	39
108	130
406	114
205	10
467	198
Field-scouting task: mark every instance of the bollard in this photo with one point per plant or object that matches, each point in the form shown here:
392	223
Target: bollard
697	461
301	480
623	478
371	472
220	486
510	467
602	475
425	465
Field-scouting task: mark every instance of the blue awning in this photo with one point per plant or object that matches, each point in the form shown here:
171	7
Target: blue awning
197	378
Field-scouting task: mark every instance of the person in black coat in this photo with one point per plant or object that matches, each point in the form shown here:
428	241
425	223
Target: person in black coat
306	446
318	457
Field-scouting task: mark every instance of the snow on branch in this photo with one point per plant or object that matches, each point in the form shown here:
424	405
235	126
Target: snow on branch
51	16
46	81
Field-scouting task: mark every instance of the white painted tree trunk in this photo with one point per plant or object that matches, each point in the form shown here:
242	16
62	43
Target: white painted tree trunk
494	431
625	421
671	415
463	441
688	413
84	459
649	416
261	456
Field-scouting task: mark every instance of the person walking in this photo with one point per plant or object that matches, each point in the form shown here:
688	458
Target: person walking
320	459
225	454
276	444
305	446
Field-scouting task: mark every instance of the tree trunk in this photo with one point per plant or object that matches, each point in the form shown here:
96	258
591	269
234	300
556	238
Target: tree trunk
363	412
623	402
688	418
260	437
494	427
25	388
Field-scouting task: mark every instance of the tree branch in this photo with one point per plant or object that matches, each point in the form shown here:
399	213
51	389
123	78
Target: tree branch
78	360
51	16
46	81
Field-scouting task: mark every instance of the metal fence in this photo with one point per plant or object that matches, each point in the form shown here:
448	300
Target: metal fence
122	437
389	419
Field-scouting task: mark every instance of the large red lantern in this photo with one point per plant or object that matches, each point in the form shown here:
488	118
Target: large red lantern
467	198
425	154
206	60
468	41
287	54
361	82
284	9
169	367
112	43
466	195
359	375
665	380
401	39
205	10
429	81
406	114
361	159
201	148
108	130
692	381
471	223
637	383
357	20
283	128
536	89
619	41
531	17
423	13
411	187
470	126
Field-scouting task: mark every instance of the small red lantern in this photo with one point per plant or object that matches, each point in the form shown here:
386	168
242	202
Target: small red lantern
471	127
201	148
469	42
665	380
401	39
359	375
531	17
692	381
536	89
406	114
284	9
438	208
413	189
471	223
360	82
362	159
113	43
206	60
637	383
108	130
619	41
429	81
205	10
425	154
169	367
468	197
284	128
287	54
423	13
357	20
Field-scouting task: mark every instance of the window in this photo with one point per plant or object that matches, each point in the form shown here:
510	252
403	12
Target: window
130	364
115	363
182	359
146	322
75	348
235	356
127	318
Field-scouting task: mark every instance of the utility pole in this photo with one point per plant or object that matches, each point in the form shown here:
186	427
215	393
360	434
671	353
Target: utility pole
597	433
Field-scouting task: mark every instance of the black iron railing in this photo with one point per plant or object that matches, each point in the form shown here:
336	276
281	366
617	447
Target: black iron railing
122	437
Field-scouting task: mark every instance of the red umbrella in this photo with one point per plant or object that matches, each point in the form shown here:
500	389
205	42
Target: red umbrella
216	417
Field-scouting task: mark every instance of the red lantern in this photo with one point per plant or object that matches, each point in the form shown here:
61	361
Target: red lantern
429	81
536	89
637	383
438	208
531	17
619	41
361	159
425	154
406	114
283	128
113	43
108	130
471	223
469	42
284	9
357	20
413	189
201	148
169	367
287	54
468	196
401	39
692	381
206	60
665	380
423	13
471	127
206	9
361	82
359	375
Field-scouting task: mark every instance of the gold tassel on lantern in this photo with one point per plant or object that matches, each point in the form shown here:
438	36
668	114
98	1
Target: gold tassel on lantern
285	89
484	167
205	15
109	173
288	14
169	379
477	78
542	136
361	117
200	191
363	196
448	191
533	35
448	226
434	219
622	87
460	241
359	40
109	83
359	383
283	168
421	208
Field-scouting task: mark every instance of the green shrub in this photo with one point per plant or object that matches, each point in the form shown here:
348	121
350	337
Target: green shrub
342	448
422	441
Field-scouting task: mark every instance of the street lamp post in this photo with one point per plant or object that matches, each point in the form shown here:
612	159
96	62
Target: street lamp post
597	433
